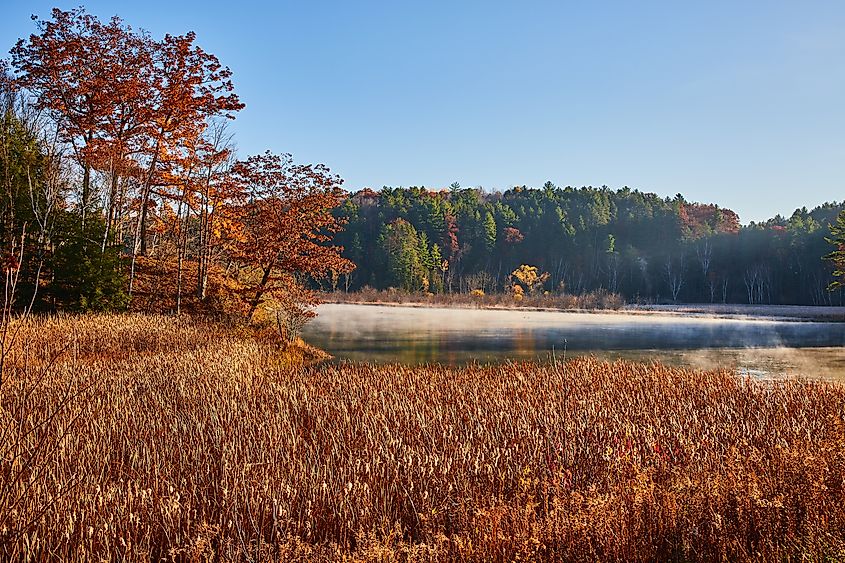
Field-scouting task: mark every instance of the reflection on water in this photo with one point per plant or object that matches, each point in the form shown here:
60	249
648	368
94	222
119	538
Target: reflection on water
419	335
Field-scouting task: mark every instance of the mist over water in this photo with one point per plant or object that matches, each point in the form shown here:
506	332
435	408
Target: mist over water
759	347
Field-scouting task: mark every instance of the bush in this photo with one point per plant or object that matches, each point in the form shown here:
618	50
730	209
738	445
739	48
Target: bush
86	277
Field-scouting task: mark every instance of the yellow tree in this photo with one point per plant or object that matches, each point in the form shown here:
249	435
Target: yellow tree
527	279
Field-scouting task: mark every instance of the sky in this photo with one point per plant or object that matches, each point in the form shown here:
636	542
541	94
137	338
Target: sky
736	103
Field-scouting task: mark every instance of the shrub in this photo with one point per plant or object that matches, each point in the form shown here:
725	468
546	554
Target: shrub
86	277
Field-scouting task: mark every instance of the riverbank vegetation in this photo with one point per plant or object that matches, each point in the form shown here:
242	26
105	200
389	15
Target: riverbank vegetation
477	298
136	437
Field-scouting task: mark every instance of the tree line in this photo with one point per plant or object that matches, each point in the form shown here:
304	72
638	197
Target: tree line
625	241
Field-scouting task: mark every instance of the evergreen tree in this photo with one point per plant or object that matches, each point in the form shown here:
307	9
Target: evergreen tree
85	277
490	232
837	239
401	247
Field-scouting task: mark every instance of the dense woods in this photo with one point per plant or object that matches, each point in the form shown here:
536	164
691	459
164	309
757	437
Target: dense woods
647	248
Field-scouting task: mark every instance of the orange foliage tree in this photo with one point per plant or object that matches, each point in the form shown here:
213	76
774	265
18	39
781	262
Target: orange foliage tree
191	88
148	115
288	223
95	80
128	105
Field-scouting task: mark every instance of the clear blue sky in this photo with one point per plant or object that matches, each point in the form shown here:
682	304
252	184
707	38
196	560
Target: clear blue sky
738	103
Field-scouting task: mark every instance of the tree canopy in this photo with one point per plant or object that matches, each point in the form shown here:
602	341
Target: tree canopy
626	241
116	158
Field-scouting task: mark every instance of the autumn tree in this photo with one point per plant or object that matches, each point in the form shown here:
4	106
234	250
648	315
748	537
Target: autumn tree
191	87
197	218
217	198
95	80
528	279
287	224
131	107
143	120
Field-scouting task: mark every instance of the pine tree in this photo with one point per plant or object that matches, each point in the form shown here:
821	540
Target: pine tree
837	239
490	232
86	278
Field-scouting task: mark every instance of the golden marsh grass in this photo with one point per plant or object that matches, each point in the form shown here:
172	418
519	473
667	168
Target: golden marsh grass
144	437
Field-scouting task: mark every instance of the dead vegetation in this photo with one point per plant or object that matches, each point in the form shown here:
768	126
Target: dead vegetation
143	437
478	299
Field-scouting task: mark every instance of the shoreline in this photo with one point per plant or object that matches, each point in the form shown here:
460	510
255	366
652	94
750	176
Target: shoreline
785	313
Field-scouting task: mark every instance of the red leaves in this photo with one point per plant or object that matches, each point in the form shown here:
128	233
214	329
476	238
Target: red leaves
699	220
117	92
287	218
133	107
450	239
513	235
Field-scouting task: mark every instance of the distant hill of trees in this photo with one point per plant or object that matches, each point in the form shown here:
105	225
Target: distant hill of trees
642	246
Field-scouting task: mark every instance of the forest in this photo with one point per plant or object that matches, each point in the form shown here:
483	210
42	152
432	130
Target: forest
644	247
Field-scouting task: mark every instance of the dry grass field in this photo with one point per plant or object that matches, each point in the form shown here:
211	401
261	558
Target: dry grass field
144	437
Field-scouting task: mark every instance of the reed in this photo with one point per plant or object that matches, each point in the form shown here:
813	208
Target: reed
593	300
142	437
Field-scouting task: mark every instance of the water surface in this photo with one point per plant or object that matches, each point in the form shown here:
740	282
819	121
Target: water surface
414	335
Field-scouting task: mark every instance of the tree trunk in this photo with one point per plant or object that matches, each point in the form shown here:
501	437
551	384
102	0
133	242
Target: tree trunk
142	248
110	211
140	227
86	182
180	251
259	293
86	192
202	254
205	238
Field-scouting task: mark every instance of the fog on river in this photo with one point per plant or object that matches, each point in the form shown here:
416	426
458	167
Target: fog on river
755	346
